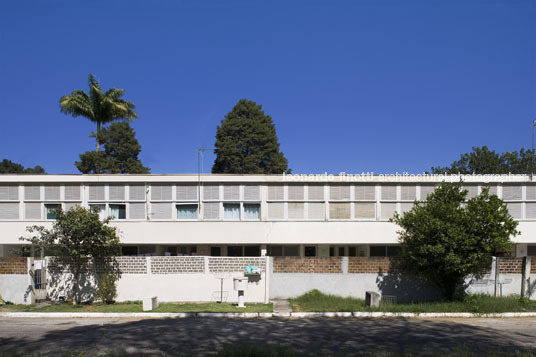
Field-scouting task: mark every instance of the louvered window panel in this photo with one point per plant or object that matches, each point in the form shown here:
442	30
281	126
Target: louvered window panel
276	210
296	210
211	210
276	193
96	192
389	193
339	192
388	210
511	193
32	192
492	189
117	192
231	192
52	192
211	192
252	193
70	205
161	193
426	190
472	191
72	193
32	211
187	192
9	192
295	193
531	192
136	210
530	210
408	193
514	209
365	193
136	192
9	210
315	192
339	210
316	210
405	207
161	211
365	210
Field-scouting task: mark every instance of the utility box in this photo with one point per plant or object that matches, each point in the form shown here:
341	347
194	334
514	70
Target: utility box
240	283
372	299
150	303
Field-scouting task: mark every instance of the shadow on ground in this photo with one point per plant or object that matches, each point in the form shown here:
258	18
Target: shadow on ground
195	336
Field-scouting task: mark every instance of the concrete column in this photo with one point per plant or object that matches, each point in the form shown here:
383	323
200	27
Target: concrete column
344	265
31	293
525	274
148	260
264	250
206	265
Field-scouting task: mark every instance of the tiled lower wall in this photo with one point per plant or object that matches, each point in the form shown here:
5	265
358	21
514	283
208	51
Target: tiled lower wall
13	265
307	265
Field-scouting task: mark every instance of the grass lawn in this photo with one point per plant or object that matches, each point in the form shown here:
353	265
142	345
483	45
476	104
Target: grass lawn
315	301
136	306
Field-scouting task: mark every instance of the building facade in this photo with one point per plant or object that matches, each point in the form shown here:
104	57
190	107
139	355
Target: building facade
247	215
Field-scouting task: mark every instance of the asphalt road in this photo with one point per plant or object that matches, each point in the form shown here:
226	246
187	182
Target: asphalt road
323	336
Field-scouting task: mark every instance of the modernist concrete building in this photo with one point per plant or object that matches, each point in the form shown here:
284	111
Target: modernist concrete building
247	215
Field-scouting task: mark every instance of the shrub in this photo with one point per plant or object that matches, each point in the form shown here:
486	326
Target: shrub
106	289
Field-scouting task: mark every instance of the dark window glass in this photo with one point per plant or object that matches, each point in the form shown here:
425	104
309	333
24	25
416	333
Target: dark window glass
193	249
531	250
129	250
172	250
234	251
310	251
215	251
393	251
377	251
352	251
275	250
331	251
291	250
252	251
341	251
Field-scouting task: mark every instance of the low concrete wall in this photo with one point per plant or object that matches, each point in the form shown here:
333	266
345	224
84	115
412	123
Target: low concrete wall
16	284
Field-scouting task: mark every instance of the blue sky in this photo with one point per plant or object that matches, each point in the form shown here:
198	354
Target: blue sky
376	86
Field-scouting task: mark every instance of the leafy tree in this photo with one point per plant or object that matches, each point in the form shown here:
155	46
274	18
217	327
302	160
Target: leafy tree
446	240
10	167
99	107
484	161
79	238
246	142
120	155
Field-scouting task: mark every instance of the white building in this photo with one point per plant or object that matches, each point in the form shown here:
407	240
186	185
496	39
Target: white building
250	215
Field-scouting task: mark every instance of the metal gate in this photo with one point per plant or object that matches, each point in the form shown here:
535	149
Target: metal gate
40	279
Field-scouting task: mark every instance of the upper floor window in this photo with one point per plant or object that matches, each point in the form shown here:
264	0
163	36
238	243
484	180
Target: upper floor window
118	211
186	211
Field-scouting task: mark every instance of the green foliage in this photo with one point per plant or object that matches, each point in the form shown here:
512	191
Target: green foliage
10	167
79	237
246	143
106	290
120	155
445	240
484	161
99	107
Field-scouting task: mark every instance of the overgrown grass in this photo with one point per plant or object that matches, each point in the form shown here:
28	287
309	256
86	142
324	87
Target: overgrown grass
316	301
136	306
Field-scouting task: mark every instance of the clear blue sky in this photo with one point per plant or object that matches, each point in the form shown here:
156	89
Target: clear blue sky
374	86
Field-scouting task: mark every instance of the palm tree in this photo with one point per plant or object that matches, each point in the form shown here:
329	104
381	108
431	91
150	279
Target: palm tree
98	107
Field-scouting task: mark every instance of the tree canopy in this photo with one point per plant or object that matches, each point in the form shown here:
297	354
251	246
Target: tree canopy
485	161
10	167
99	107
79	237
446	239
120	155
246	142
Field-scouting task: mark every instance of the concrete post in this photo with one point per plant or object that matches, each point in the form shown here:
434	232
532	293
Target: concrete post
525	274
344	265
494	274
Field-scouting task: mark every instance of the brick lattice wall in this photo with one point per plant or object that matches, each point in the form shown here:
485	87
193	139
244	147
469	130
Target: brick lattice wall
533	265
132	265
14	265
234	264
307	265
177	265
510	265
369	265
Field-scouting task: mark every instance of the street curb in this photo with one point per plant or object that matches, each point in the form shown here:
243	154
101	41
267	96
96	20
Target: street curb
152	315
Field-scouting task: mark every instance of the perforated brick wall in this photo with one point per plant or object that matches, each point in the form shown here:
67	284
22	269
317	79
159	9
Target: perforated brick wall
370	265
14	265
132	265
307	265
234	264
510	265
177	265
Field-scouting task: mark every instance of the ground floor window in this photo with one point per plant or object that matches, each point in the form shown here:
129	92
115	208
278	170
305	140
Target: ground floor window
215	251
531	250
129	250
284	250
310	251
384	251
243	251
